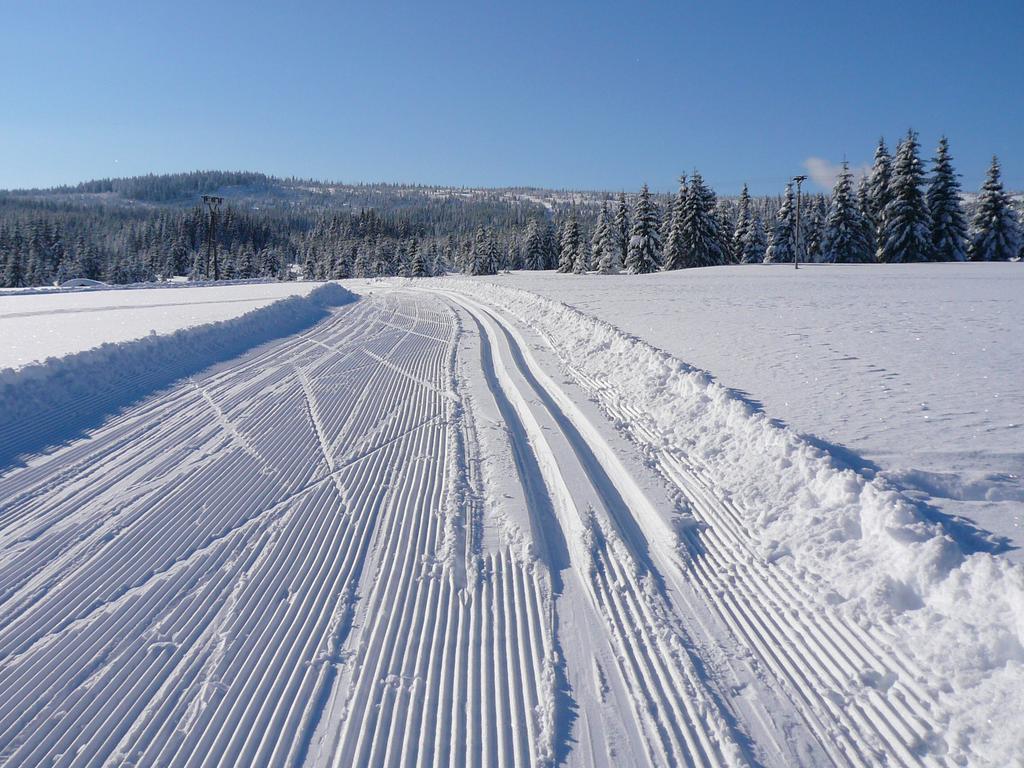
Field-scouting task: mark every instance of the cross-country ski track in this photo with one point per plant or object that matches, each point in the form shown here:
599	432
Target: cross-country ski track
404	536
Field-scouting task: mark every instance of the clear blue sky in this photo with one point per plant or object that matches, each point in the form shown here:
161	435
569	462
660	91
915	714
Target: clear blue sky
561	94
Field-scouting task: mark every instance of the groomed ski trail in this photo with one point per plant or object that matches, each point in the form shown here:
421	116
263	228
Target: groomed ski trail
863	702
297	558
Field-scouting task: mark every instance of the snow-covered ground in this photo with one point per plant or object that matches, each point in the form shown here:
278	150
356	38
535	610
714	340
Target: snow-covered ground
40	324
914	370
457	523
98	359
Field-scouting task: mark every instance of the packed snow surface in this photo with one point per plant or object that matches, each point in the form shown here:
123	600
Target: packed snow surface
35	325
916	370
457	523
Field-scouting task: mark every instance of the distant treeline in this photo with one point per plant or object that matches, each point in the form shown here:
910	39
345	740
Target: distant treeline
152	227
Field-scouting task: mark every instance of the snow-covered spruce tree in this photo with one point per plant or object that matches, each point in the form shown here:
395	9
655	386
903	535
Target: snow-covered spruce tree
513	254
948	225
435	259
493	254
879	181
743	220
905	235
346	263
867	218
664	222
402	260
480	254
725	223
702	241
534	246
644	241
782	246
814	231
361	264
14	274
609	262
600	241
674	252
581	264
550	240
570	245
417	264
995	231
843	239
755	244
620	230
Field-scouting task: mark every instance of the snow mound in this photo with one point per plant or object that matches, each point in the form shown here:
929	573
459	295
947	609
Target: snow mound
54	400
867	546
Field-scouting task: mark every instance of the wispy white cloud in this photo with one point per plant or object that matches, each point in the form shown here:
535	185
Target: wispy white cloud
824	173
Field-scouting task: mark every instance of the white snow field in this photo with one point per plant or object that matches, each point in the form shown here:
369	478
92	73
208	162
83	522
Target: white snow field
48	401
39	323
454	523
910	370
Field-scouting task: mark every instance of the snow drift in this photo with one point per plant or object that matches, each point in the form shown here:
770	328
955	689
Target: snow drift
52	401
867	546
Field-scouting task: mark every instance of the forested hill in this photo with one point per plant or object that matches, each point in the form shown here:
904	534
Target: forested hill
245	187
155	227
150	227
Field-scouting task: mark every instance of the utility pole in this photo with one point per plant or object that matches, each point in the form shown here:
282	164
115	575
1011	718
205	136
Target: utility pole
212	204
796	248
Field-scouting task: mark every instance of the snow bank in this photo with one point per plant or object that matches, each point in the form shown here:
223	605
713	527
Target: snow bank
912	370
96	285
39	325
54	400
961	618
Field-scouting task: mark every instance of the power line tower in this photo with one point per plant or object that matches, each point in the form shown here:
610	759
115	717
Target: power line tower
796	247
212	204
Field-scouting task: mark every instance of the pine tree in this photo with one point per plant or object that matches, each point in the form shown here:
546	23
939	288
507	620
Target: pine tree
535	257
480	261
493	254
948	225
995	232
401	261
866	216
905	223
782	247
878	189
664	221
741	232
380	260
343	263
621	230
608	262
513	254
674	252
581	264
843	239
417	266
599	241
570	245
361	263
755	244
701	238
812	228
644	242
177	262
14	275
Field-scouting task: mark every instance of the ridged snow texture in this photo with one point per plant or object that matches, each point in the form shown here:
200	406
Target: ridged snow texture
56	399
926	645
